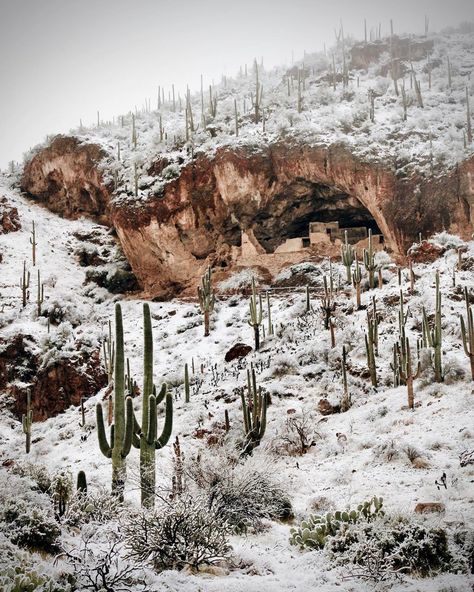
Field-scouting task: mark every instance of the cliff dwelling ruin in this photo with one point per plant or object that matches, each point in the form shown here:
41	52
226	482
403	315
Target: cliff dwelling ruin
307	219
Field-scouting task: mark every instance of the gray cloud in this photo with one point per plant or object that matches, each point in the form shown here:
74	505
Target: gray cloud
62	60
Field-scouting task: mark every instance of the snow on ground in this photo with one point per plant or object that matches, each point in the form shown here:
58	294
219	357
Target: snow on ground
297	367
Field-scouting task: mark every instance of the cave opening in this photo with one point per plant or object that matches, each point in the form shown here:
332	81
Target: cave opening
290	214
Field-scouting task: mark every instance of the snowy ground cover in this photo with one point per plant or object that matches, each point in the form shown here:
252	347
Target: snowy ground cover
377	447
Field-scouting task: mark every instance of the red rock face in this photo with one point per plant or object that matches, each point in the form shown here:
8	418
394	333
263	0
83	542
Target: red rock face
65	176
53	389
273	192
9	219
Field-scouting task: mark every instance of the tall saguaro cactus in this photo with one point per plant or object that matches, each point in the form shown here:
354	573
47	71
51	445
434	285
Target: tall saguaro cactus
432	336
468	333
24	285
27	422
121	431
254	413
255	311
369	262
145	438
207	299
407	375
348	257
33	244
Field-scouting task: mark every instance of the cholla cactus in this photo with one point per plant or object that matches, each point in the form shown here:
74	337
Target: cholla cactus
207	299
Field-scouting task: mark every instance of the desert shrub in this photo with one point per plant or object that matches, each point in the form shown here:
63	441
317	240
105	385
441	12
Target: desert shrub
453	370
317	530
242	492
26	516
449	241
298	434
464	541
185	532
95	506
36	472
98	563
284	364
387	450
379	549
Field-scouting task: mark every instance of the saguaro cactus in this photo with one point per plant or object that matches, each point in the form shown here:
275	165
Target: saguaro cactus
468	333
269	315
33	244
356	281
348	257
121	431
254	413
81	484
432	336
207	299
370	348
145	438
346	398
39	294
186	384
24	285
328	303
255	311
369	262
407	375
27	422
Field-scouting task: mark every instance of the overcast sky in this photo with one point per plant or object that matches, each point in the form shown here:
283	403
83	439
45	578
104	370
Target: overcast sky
62	60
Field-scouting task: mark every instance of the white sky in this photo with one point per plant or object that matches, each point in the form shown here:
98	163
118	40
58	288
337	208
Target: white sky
62	60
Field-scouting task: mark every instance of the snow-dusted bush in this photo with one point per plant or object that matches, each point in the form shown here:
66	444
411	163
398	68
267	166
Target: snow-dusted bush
26	525
453	369
22	572
390	545
64	306
239	281
284	364
298	434
34	471
98	563
185	532
446	240
95	506
242	493
26	515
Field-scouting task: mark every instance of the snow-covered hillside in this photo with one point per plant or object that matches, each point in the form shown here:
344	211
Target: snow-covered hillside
318	101
377	447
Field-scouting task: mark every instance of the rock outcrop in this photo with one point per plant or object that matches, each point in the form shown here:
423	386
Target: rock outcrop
53	388
271	194
65	176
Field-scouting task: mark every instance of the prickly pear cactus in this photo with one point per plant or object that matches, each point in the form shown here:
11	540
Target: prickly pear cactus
314	532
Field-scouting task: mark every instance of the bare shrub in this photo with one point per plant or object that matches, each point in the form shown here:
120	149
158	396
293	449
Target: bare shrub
184	532
99	565
298	434
242	492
